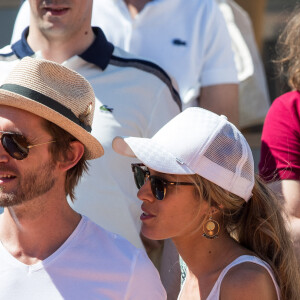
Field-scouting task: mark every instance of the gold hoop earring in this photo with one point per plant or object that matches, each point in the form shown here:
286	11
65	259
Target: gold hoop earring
211	229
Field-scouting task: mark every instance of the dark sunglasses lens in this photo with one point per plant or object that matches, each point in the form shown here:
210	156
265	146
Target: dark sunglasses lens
139	176
15	145
158	188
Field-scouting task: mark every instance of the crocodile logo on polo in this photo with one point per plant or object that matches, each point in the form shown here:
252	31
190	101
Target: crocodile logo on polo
178	42
106	108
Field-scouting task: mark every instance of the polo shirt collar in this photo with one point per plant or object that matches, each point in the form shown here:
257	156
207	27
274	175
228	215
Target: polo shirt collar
21	47
99	53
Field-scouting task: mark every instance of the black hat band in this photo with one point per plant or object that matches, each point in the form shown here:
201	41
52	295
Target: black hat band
45	100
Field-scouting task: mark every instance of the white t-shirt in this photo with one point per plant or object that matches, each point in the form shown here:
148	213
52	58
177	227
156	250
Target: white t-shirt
187	38
91	264
133	98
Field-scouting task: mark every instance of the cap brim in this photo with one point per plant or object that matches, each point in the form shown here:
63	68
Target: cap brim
150	153
92	146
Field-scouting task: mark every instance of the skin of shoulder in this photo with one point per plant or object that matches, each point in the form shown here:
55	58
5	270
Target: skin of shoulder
248	281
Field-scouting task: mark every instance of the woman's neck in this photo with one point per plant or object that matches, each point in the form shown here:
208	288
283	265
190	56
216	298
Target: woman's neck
205	256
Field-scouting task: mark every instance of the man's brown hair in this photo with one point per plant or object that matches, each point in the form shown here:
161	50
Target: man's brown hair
59	149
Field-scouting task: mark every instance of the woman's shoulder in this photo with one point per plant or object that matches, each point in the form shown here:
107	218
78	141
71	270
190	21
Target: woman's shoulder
248	280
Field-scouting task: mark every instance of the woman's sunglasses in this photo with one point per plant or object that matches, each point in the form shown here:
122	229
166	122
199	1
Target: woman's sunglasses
16	145
158	185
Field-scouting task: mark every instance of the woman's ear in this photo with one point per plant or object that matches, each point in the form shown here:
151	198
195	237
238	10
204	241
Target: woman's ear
215	210
72	156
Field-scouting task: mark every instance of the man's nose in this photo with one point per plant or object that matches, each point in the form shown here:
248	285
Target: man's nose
4	156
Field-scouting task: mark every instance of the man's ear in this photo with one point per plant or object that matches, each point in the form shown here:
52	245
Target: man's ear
72	156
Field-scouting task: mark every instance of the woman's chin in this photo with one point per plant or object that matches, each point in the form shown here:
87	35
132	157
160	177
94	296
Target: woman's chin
153	235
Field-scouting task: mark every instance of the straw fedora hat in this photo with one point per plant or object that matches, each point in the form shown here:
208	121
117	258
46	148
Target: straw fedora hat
57	94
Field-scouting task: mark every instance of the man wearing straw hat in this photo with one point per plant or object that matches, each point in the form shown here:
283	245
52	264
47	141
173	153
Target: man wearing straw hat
47	250
133	97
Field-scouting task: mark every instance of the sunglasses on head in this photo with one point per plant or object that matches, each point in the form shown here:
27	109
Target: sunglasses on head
158	185
16	145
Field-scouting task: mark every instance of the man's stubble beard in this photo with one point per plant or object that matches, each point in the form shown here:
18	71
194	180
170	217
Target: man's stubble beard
31	185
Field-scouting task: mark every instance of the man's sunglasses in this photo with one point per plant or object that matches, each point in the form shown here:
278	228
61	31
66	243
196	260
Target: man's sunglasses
158	185
16	145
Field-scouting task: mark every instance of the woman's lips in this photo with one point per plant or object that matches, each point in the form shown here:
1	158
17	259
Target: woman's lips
146	215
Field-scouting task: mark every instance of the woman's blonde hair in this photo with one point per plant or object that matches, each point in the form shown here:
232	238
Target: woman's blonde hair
259	226
288	51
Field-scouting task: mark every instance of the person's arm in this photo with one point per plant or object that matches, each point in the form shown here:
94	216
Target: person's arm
289	191
218	80
221	99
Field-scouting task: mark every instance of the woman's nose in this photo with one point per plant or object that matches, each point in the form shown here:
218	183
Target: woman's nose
145	193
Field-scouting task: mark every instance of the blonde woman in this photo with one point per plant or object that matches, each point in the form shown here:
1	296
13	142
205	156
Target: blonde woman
196	181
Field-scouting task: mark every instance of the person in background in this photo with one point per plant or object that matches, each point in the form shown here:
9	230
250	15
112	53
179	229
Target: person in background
48	250
256	11
280	142
194	45
254	100
197	185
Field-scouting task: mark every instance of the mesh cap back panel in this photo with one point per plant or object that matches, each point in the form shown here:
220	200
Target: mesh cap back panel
223	151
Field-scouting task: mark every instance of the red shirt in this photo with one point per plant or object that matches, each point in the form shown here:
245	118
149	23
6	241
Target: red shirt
280	149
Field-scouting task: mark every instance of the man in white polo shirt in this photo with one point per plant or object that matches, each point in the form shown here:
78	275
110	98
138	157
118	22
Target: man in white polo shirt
189	39
133	97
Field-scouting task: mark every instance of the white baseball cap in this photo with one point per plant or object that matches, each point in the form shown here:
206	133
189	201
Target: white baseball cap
197	141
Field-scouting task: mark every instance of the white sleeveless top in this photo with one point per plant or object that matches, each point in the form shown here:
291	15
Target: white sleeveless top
215	292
